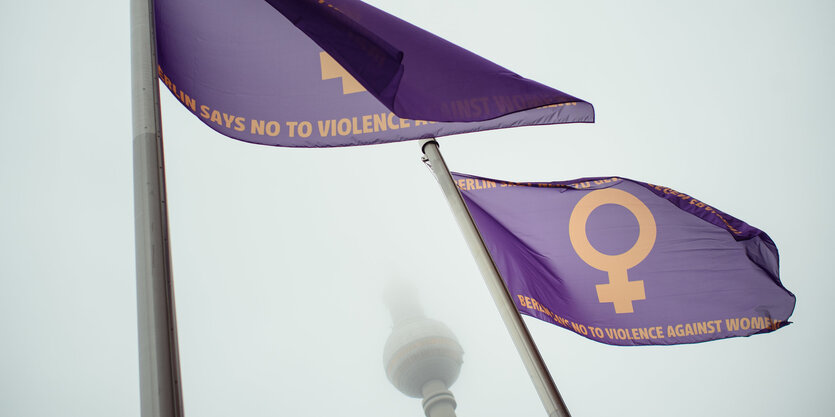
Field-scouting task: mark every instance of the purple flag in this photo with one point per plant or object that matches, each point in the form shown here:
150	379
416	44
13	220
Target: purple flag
315	73
628	263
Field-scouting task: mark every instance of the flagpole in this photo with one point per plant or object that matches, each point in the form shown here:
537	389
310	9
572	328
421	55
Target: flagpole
541	378
160	391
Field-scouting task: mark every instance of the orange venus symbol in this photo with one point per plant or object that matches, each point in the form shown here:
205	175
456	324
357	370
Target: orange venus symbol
331	69
620	290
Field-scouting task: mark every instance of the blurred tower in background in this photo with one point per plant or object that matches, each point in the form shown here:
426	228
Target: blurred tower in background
422	357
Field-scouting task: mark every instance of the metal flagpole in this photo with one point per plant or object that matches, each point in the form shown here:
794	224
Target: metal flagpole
159	365
537	370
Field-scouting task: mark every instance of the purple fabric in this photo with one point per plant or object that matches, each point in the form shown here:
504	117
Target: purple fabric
627	263
250	73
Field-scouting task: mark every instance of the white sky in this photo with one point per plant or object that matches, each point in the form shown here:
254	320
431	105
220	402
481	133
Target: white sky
280	255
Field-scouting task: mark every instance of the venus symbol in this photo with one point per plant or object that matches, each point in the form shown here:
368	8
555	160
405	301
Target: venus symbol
331	69
620	291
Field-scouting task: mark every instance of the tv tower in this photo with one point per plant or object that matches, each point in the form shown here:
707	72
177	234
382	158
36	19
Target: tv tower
422	357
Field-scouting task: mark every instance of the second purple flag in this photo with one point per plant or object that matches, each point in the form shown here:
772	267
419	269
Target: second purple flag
624	262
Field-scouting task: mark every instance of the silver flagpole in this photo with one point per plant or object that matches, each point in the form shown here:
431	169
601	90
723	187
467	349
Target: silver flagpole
537	370
160	392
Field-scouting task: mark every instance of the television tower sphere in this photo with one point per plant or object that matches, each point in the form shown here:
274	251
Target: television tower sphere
422	356
420	351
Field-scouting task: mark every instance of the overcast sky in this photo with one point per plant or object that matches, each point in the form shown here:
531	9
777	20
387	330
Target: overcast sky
281	255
